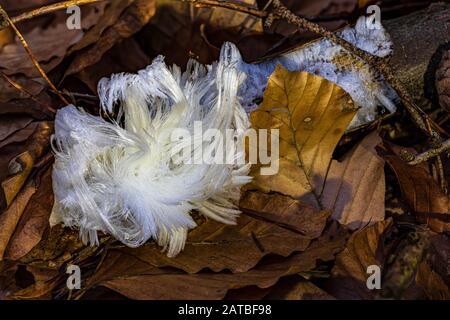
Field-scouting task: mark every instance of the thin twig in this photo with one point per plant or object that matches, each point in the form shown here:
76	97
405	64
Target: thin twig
30	53
48	9
228	5
430	154
441	174
20	88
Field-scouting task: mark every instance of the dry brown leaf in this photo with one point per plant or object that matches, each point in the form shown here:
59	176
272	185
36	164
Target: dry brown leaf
130	21
126	56
433	285
355	187
6	37
110	15
349	274
20	167
197	32
421	192
27	106
312	114
57	247
286	212
10	125
18	137
297	288
131	276
237	248
439	256
35	220
443	81
49	43
10	218
8	92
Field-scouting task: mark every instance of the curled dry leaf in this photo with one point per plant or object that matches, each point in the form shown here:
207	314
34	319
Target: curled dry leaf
28	106
403	262
13	124
238	248
355	187
439	256
443	81
136	279
349	274
312	114
133	18
286	212
197	32
433	285
45	281
297	288
20	167
420	191
10	218
34	220
16	129
49	43
8	92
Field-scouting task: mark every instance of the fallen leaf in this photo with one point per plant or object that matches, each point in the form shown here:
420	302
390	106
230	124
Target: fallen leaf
402	264
28	106
312	114
355	187
35	220
11	125
443	81
49	43
237	248
439	256
286	212
197	32
126	56
20	167
433	285
111	14
44	281
420	191
10	218
8	92
20	136
130	21
134	278
349	274
55	249
297	288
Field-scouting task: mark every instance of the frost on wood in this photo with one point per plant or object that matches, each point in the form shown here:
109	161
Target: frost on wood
122	179
335	64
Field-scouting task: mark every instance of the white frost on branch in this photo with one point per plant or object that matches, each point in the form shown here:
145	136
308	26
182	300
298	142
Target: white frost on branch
332	62
122	179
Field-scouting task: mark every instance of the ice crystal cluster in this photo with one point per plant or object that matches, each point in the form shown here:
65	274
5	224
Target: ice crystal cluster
121	179
334	63
118	176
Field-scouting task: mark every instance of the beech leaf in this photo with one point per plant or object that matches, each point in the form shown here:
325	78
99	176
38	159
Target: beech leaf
312	114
